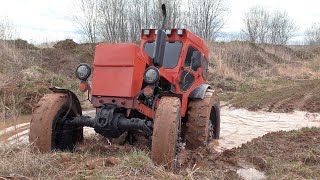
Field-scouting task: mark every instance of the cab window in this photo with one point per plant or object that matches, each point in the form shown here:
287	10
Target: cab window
171	54
204	67
190	51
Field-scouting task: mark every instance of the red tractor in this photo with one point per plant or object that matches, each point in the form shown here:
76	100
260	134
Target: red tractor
159	89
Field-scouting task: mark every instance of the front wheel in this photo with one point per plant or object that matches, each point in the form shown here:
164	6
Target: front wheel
203	122
48	127
166	130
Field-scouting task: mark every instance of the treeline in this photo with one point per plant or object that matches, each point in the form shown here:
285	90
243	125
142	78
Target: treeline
265	26
122	20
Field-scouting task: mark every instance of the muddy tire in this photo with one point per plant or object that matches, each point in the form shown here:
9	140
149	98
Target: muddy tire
48	128
167	124
203	122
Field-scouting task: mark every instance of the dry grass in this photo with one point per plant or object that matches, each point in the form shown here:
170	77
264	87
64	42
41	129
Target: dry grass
96	159
23	161
289	96
26	72
22	92
264	76
101	161
281	155
240	60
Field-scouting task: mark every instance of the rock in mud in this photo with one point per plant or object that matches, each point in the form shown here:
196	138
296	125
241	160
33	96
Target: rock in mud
111	161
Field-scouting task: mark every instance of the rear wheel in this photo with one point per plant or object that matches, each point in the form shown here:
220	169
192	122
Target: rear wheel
166	130
48	128
203	121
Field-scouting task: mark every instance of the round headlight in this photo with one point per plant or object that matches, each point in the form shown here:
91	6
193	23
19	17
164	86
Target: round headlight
151	75
83	71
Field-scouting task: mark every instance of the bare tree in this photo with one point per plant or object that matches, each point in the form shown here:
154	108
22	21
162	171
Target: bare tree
140	17
263	26
206	17
312	35
282	27
8	30
256	24
122	20
113	25
86	18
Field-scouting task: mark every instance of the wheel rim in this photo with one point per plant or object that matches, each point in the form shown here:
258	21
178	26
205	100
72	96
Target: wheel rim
57	128
177	151
211	125
61	130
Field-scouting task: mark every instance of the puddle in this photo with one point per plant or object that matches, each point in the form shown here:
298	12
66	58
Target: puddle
251	174
239	126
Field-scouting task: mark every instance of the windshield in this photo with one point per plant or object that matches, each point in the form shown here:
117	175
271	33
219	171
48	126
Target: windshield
171	54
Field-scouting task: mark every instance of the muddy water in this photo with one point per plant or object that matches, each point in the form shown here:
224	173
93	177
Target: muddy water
237	126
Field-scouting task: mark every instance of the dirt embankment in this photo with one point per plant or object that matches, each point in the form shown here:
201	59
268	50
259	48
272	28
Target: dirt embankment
269	77
26	72
265	75
298	95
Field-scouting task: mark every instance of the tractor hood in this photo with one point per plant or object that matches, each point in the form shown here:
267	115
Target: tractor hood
118	70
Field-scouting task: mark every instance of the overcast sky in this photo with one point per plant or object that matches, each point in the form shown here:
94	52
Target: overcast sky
47	20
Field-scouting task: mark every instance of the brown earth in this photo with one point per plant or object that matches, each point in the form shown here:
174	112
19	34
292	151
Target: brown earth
298	95
280	155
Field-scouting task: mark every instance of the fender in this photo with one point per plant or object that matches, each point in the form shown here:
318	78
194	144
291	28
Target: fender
72	96
199	92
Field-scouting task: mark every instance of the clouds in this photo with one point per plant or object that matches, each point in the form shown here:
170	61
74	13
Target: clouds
40	20
48	20
304	12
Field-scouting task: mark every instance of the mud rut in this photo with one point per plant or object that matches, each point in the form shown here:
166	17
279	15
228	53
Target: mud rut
237	126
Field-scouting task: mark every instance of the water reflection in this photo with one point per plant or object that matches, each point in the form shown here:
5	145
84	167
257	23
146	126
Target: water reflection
239	126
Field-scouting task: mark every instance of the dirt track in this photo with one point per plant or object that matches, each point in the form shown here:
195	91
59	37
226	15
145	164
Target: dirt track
237	126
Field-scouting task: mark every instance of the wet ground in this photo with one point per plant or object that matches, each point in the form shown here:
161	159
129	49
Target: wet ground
237	126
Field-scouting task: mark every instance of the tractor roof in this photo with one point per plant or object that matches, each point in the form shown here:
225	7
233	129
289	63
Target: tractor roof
177	34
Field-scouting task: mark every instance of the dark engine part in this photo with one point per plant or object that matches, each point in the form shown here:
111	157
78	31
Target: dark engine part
112	124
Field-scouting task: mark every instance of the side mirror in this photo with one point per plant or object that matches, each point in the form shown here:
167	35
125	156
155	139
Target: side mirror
196	59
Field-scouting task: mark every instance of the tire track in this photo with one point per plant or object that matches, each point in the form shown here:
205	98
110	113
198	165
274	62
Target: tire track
237	126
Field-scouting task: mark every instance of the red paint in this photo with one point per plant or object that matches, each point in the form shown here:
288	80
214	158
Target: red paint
119	68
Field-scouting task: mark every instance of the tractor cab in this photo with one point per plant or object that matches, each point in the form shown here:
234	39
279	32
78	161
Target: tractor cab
179	47
184	63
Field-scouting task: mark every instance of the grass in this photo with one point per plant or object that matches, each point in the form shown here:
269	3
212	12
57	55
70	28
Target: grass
88	162
291	95
280	155
23	92
259	76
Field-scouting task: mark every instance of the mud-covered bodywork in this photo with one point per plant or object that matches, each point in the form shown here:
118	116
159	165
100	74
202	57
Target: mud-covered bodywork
154	89
118	70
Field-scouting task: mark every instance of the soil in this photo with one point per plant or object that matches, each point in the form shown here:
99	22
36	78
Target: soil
297	95
293	154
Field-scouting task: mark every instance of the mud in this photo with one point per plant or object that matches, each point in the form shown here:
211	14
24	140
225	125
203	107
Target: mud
238	126
249	147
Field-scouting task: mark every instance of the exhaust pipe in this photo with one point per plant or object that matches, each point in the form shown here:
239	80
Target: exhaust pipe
160	43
